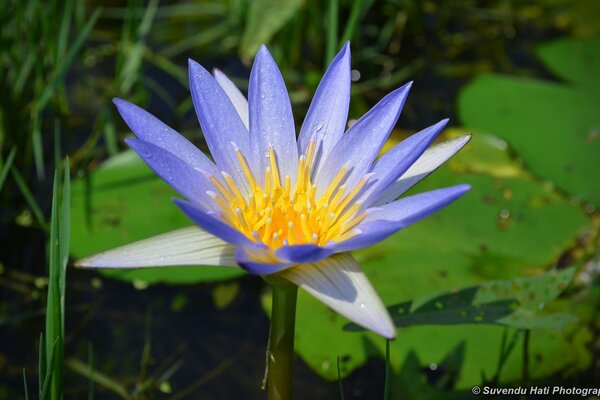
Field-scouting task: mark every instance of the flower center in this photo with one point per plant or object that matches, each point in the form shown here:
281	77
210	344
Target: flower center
278	214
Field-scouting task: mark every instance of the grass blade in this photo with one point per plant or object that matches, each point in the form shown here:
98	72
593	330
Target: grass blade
66	61
6	166
129	73
53	308
25	388
48	377
98	377
65	238
355	13
35	208
387	388
332	31
41	364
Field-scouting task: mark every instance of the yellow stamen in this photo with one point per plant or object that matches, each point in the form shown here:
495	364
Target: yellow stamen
281	212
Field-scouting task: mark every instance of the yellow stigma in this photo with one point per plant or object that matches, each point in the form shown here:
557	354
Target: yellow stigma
277	214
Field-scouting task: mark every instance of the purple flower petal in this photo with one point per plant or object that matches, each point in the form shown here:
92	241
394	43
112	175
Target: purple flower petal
235	95
328	111
212	224
152	130
396	161
187	246
248	261
383	221
433	157
271	118
339	283
303	253
363	141
186	180
220	122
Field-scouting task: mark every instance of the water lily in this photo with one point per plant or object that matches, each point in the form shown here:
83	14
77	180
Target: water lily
286	207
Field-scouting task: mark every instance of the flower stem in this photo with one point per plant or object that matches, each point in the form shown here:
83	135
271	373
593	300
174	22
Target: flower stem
280	354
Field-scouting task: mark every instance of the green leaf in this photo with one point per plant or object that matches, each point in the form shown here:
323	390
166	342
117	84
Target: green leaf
508	225
264	19
55	300
554	127
513	303
123	201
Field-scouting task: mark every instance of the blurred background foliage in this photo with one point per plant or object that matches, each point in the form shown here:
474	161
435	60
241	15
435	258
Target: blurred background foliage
481	292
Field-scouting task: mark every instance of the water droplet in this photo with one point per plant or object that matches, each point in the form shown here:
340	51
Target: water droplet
505	214
433	366
319	126
262	95
362	305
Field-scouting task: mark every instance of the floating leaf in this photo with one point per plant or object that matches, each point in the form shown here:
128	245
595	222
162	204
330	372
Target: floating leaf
554	127
510	303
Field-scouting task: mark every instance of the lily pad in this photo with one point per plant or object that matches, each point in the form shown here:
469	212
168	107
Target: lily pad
512	303
553	126
123	201
508	225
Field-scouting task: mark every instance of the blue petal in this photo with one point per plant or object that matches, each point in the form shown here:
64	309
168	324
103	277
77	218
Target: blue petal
390	218
396	161
363	141
433	157
220	122
328	111
235	95
271	119
303	253
248	261
186	180
212	224
150	129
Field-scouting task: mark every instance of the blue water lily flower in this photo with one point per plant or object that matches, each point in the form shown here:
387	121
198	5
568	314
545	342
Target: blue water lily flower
274	204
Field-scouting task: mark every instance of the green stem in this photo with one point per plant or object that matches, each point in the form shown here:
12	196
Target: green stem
280	354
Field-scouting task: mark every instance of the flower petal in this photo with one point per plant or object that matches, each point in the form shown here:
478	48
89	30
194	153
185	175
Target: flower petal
187	246
220	123
363	141
383	221
398	160
186	180
303	253
211	223
328	111
340	284
152	130
248	259
235	95
431	159
271	118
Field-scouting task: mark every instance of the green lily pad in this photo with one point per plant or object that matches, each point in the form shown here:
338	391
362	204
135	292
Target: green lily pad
554	127
123	201
513	303
508	225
